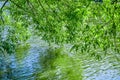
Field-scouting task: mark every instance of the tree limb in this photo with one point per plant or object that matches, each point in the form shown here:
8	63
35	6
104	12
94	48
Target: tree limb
4	4
17	5
2	9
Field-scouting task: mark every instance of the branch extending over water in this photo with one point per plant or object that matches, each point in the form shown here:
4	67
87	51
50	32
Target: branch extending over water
4	5
17	5
2	9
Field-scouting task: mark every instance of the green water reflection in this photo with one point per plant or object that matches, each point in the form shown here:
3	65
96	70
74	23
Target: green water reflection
37	61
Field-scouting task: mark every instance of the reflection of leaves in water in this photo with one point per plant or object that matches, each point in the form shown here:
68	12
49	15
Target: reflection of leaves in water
58	65
21	51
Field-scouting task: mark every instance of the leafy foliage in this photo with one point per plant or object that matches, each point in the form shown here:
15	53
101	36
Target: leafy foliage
11	38
12	35
83	23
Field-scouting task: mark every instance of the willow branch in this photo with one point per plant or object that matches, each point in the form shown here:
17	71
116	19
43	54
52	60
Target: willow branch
4	4
17	5
41	5
30	4
2	9
31	7
43	10
2	19
33	10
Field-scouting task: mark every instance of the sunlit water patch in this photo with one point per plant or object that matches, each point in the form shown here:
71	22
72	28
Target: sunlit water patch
13	68
102	70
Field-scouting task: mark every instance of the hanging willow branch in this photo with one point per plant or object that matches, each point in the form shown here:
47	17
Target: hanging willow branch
1	10
31	7
17	5
44	10
4	4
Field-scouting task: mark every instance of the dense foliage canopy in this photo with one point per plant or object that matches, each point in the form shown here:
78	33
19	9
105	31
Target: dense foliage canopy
85	24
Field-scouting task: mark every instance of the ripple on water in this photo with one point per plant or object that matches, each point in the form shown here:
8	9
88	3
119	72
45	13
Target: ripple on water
102	70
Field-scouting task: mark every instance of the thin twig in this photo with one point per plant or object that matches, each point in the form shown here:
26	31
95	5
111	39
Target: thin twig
31	7
2	19
41	5
4	4
2	11
17	5
33	10
46	16
30	4
22	8
106	23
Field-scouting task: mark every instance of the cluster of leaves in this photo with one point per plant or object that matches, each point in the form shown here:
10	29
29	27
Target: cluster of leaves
58	65
87	25
13	38
12	33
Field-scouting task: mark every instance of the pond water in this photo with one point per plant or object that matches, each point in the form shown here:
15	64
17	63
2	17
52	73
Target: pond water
107	69
25	68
